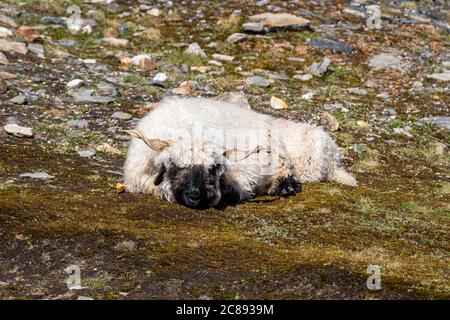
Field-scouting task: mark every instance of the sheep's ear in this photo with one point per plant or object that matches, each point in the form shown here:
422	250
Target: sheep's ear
160	177
154	144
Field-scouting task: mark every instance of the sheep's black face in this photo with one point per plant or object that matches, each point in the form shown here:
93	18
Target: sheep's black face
195	186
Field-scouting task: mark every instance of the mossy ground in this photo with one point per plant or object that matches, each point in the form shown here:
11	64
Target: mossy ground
317	244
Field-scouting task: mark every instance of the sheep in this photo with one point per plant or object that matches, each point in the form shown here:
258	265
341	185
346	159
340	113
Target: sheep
203	152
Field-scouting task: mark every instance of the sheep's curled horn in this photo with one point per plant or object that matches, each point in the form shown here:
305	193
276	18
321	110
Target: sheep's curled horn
154	144
158	145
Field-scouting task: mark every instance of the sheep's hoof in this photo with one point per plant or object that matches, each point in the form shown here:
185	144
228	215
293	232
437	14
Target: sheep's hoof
286	186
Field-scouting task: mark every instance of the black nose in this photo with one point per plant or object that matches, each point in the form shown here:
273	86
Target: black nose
193	194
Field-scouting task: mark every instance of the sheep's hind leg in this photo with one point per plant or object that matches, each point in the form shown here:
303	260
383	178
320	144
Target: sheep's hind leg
285	186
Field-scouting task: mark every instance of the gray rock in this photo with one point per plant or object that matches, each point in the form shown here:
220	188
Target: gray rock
18	131
318	69
106	89
443	76
88	153
5	32
253	27
80	124
121	115
440	122
19	99
7	21
38	175
335	106
275	21
328	44
303	77
195	49
329	122
358	91
386	61
37	49
222	57
384	95
85	95
258	81
237	37
54	20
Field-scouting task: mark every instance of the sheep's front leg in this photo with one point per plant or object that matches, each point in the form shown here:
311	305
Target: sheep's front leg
285	186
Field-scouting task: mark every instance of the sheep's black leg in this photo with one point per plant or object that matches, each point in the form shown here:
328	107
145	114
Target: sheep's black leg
286	186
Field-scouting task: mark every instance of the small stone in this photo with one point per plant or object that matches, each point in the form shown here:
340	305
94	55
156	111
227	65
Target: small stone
404	131
384	95
303	77
10	46
121	115
74	83
318	69
444	76
154	12
328	44
273	21
223	57
115	41
80	124
258	81
19	99
253	27
120	187
54	20
106	89
160	77
38	175
195	49
144	61
373	22
7	21
215	63
89	153
3	59
106	148
278	104
237	37
201	69
37	49
18	131
440	122
85	95
362	124
5	32
386	61
329	122
185	88
89	61
309	95
29	34
358	91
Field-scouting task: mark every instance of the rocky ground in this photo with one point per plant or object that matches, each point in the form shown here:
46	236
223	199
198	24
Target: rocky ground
72	77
